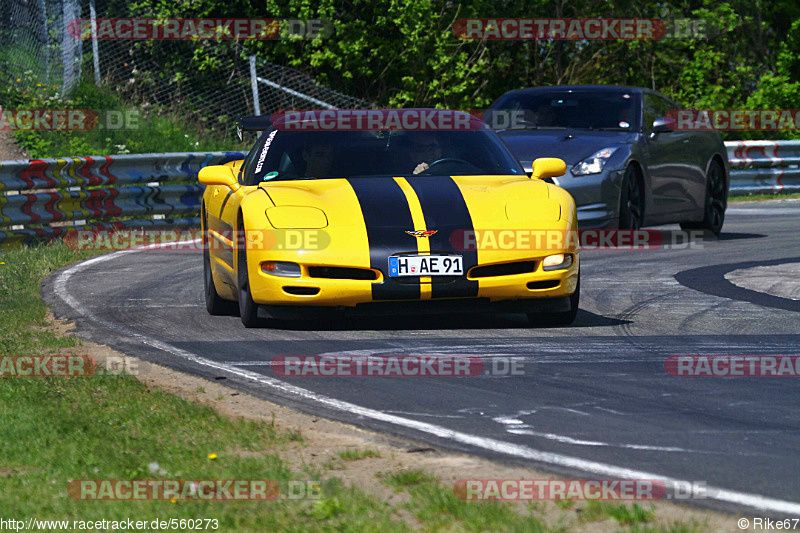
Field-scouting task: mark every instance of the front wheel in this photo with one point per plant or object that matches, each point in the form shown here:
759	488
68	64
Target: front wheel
248	309
716	201
215	304
564	318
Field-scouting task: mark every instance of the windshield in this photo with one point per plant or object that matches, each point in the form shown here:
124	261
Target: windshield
601	110
290	155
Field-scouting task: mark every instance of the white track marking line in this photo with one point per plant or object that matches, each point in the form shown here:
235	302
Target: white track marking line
493	445
761	211
568	440
152	306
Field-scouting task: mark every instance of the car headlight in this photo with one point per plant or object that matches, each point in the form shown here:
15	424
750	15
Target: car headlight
281	268
557	262
594	163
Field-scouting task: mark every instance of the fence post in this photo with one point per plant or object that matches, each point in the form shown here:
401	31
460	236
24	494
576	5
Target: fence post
69	44
254	85
46	39
95	54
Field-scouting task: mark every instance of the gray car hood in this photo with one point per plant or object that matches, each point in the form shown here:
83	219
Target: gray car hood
570	145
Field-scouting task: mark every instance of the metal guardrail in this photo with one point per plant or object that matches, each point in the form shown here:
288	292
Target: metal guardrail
43	199
764	166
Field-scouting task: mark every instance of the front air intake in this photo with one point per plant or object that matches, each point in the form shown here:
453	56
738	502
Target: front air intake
539	285
301	291
342	273
503	269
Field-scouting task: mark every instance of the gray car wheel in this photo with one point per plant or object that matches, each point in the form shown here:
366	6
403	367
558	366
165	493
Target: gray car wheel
716	201
631	204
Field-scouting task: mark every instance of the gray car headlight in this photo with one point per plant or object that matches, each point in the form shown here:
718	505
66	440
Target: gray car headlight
594	163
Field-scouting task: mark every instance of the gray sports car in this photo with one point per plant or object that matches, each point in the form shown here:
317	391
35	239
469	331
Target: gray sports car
628	166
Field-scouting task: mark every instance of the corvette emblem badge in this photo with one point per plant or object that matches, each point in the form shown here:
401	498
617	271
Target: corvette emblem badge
426	233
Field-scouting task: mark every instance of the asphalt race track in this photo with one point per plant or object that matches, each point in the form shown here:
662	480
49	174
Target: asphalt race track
595	400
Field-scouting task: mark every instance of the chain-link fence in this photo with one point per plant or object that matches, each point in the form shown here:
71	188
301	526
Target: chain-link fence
213	81
53	42
35	46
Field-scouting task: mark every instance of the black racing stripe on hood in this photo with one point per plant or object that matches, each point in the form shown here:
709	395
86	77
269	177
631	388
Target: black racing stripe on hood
445	210
387	217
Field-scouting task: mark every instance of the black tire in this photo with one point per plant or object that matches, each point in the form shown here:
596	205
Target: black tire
716	201
631	202
248	309
564	318
215	304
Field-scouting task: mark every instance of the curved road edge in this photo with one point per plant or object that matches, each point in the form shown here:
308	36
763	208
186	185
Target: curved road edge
712	280
55	291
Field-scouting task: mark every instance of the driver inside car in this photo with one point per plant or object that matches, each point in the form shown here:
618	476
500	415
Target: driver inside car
423	150
318	157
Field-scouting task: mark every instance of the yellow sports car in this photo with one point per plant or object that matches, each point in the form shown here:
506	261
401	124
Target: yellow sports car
384	216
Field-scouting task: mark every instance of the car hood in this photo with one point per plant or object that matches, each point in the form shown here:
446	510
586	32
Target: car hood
484	200
570	145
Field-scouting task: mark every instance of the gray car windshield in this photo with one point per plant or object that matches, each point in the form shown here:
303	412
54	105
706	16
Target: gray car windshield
604	110
288	155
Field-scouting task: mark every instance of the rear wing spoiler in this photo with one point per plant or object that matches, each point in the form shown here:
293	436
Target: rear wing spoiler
256	123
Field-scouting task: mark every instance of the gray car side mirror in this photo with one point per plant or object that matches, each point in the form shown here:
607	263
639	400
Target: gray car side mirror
662	125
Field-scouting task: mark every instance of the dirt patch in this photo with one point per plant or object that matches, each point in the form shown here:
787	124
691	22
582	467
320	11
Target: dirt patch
9	149
317	456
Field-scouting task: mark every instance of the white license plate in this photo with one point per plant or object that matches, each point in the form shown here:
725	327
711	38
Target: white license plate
426	265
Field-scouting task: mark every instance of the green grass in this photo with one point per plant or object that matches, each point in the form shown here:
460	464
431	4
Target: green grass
759	197
153	130
565	504
405	478
355	455
295	435
114	427
440	509
676	527
624	514
22	311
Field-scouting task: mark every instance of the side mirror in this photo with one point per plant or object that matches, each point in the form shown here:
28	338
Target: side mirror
662	125
218	175
548	167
